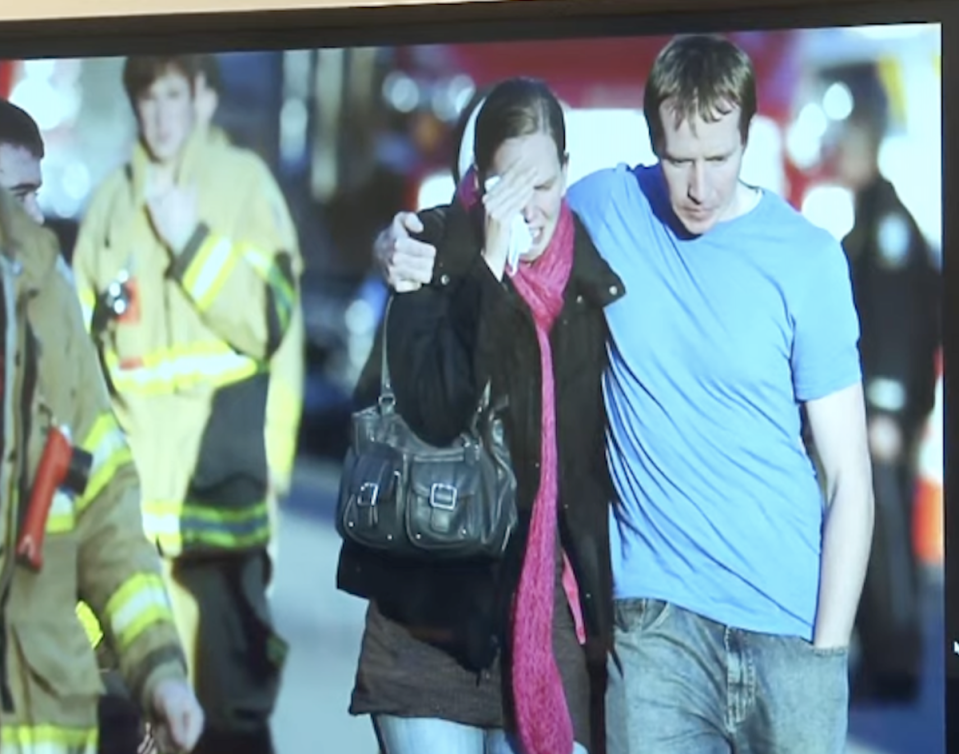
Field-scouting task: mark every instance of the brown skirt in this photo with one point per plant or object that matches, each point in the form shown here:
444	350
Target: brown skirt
400	674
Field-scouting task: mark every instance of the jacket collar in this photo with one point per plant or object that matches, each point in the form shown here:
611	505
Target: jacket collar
184	168
28	252
459	245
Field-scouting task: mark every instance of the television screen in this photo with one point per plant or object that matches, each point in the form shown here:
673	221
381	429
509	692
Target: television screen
673	257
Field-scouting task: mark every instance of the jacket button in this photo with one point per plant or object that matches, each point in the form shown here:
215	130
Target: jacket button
614	290
579	299
444	279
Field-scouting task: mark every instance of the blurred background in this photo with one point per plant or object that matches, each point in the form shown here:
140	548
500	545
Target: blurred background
849	131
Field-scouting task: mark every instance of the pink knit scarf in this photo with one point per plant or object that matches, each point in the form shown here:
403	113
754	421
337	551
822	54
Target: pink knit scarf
542	714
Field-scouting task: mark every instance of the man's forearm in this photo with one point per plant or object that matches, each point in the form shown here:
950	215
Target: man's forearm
847	541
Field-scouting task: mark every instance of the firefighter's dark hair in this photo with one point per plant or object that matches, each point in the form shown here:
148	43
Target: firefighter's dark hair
141	71
871	115
517	107
18	129
699	74
208	66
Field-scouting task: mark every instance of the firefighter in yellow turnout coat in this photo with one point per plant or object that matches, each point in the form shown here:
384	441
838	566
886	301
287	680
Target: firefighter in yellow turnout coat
93	543
185	268
284	405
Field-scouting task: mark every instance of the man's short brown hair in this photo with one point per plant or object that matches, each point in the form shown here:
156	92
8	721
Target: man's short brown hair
140	72
703	75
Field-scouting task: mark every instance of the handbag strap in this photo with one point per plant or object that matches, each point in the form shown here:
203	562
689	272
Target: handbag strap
387	399
386	385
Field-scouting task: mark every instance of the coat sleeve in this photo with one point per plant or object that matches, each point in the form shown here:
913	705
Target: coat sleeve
284	406
89	245
245	287
928	332
119	573
441	341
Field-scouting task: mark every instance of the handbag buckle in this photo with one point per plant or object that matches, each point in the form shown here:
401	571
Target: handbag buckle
445	502
368	494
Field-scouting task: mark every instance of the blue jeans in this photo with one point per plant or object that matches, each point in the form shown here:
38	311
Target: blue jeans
427	735
688	685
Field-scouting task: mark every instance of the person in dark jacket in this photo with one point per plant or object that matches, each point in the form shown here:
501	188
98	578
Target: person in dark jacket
896	288
473	657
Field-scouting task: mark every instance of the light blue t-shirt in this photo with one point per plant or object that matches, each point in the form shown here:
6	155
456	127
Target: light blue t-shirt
718	341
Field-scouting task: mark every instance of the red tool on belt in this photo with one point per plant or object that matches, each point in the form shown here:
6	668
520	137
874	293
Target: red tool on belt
61	465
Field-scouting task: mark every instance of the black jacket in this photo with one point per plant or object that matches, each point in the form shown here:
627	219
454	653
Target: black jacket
445	341
897	291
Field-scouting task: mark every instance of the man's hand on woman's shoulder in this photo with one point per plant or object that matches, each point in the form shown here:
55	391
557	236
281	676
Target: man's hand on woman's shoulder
404	262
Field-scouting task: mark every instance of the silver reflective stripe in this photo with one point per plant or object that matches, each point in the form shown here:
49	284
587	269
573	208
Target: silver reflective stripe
886	394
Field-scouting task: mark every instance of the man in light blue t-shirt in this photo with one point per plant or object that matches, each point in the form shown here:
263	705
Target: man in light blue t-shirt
736	581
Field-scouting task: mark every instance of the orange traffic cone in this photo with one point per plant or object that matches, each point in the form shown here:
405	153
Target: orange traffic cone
928	532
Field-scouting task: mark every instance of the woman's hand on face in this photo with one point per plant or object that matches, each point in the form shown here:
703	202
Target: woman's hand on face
503	203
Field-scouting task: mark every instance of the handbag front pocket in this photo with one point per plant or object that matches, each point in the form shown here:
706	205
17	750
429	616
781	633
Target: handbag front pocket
453	506
370	510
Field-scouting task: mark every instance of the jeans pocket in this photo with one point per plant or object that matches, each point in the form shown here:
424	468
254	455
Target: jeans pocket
640	614
805	695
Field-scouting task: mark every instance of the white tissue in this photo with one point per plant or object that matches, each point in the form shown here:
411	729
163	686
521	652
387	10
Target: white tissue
520	239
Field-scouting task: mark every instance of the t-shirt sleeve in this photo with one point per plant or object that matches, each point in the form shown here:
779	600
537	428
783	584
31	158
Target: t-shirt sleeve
825	354
590	197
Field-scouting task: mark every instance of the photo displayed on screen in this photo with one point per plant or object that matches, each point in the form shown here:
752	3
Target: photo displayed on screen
544	397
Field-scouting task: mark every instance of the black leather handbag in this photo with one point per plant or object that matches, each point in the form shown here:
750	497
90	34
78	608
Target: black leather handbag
407	499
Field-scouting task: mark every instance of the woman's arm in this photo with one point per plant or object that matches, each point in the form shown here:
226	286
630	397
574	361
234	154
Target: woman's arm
441	342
